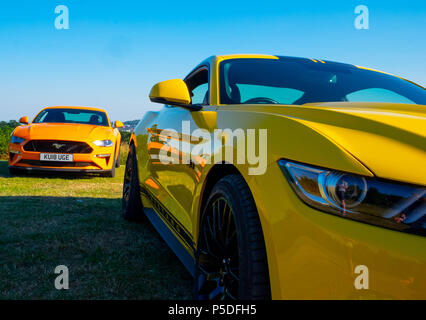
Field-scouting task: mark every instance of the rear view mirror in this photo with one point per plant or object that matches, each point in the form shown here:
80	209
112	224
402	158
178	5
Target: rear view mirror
118	124
173	92
24	120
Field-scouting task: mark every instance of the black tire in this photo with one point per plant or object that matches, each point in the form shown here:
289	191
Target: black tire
118	161
232	264
110	173
16	172
131	201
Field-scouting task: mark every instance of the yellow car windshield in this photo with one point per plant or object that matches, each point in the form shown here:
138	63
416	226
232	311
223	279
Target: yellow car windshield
299	81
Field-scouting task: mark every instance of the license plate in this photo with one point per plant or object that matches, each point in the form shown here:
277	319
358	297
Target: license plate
56	157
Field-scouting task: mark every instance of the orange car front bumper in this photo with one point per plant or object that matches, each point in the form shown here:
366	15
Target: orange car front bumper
98	160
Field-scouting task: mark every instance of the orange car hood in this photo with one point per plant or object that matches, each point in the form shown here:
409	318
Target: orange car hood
57	131
389	139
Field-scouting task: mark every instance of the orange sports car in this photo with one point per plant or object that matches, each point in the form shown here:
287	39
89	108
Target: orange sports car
73	139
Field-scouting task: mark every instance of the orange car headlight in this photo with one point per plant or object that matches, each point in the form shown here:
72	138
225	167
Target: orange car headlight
103	143
16	140
384	203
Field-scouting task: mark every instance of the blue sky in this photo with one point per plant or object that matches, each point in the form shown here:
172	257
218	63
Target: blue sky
115	51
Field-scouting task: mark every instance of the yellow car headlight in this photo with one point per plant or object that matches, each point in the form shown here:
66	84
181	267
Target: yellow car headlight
384	203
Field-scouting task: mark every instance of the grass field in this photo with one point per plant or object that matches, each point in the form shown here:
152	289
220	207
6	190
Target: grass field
51	220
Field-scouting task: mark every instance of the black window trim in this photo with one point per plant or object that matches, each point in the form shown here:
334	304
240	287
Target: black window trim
193	73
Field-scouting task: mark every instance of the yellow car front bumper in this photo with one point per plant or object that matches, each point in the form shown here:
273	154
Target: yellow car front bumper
313	255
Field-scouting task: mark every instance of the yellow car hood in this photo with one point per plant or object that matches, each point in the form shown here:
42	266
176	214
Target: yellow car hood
66	131
389	139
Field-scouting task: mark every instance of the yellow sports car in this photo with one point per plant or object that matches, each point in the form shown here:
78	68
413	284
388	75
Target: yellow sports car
73	139
286	178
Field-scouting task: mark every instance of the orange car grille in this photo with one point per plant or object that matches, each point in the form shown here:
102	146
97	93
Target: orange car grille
57	164
57	146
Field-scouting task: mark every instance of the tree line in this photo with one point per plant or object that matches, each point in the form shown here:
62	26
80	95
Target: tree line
6	129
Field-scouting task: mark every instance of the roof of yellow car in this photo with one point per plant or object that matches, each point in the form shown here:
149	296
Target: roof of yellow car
76	107
266	56
253	56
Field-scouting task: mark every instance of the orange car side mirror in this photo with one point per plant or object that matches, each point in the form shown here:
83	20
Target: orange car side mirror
24	120
118	124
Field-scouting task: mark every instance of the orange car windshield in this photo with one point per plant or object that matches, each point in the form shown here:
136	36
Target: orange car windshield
79	116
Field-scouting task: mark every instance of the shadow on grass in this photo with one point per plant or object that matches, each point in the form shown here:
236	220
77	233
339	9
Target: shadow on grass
4	173
107	257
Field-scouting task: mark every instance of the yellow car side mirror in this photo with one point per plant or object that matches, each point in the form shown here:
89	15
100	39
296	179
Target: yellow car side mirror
173	92
118	124
24	120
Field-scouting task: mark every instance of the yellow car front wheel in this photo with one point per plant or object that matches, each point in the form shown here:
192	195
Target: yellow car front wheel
231	258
